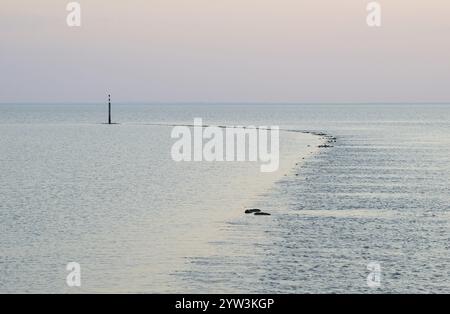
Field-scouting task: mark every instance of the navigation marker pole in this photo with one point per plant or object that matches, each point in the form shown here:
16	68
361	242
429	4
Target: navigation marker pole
109	109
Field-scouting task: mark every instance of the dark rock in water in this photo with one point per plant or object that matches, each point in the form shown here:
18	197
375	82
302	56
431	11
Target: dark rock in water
252	211
262	214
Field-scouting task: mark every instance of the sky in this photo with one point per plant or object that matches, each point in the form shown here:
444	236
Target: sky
225	51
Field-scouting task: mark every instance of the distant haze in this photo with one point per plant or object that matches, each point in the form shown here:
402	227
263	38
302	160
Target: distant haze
225	51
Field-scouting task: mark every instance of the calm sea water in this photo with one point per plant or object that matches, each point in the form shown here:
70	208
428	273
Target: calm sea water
112	199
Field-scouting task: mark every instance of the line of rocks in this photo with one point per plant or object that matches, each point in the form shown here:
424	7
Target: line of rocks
329	143
330	139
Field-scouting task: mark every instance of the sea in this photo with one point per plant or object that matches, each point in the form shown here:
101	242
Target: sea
112	199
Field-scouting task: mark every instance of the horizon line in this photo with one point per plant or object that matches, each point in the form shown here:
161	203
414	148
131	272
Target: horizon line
143	102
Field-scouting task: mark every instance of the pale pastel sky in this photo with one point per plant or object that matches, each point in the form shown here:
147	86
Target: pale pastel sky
225	51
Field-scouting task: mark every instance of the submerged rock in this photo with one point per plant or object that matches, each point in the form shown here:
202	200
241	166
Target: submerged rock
262	214
252	211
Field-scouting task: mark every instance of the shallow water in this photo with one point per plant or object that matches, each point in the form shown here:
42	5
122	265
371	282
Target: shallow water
112	199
